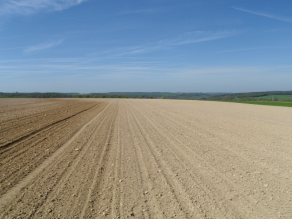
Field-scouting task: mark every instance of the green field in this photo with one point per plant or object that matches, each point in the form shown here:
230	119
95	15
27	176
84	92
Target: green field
279	97
268	103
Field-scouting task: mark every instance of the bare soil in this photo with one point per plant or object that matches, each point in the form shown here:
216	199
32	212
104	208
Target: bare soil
119	158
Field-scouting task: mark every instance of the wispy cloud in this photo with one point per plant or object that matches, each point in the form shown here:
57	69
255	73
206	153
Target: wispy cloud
183	39
61	66
42	46
265	15
198	37
27	7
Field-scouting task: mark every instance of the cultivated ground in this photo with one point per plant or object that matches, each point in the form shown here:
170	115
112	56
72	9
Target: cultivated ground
120	158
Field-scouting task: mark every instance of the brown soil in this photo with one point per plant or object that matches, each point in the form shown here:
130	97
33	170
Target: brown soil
144	159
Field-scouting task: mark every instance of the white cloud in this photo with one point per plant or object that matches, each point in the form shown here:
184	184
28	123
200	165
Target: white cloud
26	7
266	15
43	46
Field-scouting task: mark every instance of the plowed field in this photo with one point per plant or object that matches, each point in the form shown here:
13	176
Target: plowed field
124	158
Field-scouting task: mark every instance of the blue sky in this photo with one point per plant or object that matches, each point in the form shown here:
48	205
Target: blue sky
155	45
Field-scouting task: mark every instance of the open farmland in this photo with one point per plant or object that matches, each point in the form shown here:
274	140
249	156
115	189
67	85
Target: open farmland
119	158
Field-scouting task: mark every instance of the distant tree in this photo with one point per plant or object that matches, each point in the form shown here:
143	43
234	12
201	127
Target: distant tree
126	96
151	97
87	96
79	96
111	96
95	96
119	96
133	97
103	96
140	97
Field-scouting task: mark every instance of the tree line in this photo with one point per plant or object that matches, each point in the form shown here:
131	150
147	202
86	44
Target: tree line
141	95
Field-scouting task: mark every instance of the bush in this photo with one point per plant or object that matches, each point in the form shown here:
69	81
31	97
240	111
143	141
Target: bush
111	96
151	97
140	97
119	96
133	97
87	96
79	96
103	96
126	96
95	96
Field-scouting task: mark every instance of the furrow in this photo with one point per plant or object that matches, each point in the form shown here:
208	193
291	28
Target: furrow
100	167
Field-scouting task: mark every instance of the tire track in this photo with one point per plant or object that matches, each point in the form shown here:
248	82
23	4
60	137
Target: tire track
103	147
23	125
49	127
31	153
35	133
142	172
116	208
70	171
185	204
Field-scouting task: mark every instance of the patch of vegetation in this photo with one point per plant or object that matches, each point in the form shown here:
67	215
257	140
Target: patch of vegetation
79	96
254	96
87	96
275	98
151	97
267	103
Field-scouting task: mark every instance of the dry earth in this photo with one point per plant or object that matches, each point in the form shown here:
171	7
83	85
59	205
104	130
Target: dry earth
122	158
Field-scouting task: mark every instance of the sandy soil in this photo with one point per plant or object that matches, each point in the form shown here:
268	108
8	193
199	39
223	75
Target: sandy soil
124	158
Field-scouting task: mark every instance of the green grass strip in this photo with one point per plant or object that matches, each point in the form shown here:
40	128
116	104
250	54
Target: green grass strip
267	103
